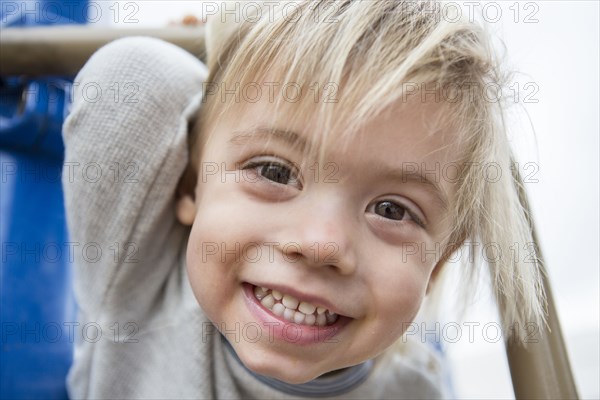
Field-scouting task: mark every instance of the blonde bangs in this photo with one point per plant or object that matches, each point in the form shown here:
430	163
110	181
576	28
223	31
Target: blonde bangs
348	60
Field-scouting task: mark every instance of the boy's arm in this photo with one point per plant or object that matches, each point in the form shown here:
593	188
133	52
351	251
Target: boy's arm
125	150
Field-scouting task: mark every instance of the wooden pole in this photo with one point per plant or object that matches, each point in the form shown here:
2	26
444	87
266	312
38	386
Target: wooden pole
541	370
63	50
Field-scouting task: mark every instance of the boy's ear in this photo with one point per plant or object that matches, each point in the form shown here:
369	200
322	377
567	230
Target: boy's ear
436	270
440	265
442	261
185	206
185	209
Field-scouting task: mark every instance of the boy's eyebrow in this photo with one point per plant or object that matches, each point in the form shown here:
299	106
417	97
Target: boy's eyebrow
242	137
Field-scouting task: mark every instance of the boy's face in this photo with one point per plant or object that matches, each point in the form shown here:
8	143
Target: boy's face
345	234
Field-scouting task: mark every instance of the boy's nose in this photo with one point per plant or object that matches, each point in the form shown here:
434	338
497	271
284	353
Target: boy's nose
323	236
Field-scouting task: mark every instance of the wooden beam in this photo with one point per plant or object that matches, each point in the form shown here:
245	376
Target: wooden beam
541	370
64	49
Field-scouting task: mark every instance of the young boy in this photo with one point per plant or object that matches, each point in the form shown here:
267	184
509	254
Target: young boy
306	193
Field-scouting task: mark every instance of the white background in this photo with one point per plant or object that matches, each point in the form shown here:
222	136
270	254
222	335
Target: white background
557	51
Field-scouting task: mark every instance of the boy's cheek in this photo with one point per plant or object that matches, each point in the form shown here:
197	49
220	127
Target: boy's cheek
399	294
211	290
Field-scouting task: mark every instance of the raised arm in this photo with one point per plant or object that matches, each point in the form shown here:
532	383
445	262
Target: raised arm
126	148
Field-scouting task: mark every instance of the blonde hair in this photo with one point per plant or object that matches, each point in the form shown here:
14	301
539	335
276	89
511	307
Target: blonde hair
374	49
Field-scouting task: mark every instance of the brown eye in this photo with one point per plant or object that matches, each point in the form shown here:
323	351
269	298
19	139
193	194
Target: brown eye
275	172
396	212
390	210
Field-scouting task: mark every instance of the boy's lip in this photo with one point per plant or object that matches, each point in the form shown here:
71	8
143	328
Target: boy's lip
291	332
310	298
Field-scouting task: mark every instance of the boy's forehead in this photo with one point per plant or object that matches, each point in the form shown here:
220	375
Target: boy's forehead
406	126
273	99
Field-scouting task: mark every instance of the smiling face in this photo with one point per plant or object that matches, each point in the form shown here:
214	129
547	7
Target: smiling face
307	266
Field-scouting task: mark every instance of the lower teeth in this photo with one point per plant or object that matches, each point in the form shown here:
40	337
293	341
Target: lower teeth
268	299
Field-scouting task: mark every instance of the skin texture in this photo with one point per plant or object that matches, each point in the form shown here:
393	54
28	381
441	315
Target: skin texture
368	263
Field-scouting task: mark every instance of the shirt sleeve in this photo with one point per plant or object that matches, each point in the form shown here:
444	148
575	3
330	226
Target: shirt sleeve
125	151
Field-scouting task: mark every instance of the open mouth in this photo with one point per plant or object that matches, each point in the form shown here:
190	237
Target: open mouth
293	310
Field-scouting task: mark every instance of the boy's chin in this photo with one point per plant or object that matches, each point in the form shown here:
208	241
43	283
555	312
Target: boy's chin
280	369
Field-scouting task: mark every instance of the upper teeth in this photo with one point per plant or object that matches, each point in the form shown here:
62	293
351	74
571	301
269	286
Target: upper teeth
292	309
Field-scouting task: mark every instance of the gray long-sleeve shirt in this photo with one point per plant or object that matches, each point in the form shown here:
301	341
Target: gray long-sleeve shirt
143	334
